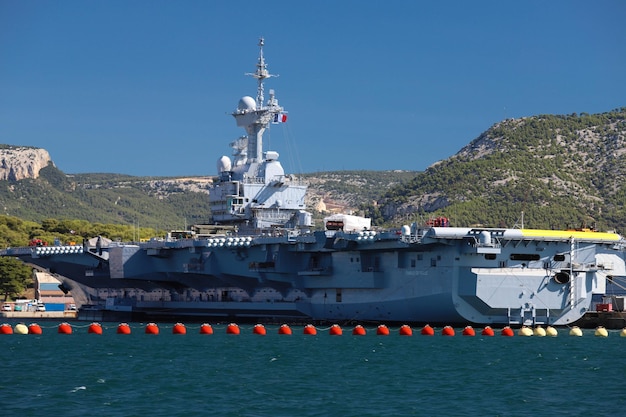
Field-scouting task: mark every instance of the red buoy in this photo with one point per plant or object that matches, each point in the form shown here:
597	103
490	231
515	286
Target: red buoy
152	328
179	328
382	330
284	329
34	328
359	330
487	331
65	328
206	329
259	329
124	328
310	330
447	331
405	330
428	331
469	331
6	328
94	328
335	330
232	328
507	331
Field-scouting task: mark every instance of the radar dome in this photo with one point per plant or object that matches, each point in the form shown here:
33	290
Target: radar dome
246	103
484	238
224	164
271	155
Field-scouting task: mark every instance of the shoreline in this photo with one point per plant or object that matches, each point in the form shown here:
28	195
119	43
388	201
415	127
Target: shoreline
69	315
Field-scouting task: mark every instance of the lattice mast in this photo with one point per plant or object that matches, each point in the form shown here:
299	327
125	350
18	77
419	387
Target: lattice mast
256	117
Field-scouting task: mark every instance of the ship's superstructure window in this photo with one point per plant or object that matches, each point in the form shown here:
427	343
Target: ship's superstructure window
525	257
338	295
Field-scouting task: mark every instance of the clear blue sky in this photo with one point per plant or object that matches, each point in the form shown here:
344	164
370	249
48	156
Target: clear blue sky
147	87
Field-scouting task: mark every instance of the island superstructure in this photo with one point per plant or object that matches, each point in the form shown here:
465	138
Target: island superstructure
252	190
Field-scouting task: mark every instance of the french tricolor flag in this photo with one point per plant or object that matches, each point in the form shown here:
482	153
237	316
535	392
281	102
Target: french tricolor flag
280	118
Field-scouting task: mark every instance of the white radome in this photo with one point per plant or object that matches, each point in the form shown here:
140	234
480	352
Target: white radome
224	164
246	103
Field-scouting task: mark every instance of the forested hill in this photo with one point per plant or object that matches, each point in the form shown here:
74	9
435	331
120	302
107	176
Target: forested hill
560	171
166	203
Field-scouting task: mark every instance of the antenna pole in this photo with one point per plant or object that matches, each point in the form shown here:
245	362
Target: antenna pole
260	74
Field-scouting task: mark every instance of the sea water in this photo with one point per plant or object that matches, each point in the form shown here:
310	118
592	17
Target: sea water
300	375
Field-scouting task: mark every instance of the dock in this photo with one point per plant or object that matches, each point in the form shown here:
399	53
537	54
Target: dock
41	315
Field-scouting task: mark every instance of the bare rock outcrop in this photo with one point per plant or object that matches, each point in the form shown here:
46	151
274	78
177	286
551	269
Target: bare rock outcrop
20	162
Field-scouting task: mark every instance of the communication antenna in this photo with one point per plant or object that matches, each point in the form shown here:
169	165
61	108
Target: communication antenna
519	224
260	74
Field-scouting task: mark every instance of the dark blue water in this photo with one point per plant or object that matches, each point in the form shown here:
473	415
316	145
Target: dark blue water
298	375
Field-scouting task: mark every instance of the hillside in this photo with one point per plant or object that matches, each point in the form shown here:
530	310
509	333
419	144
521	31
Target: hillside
165	203
560	171
344	191
105	198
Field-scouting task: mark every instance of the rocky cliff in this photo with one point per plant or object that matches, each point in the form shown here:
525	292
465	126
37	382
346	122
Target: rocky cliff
19	162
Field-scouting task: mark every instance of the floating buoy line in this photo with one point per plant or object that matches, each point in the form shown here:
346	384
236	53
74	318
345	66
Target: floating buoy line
309	329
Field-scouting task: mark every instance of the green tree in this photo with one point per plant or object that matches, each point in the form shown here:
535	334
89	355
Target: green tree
14	277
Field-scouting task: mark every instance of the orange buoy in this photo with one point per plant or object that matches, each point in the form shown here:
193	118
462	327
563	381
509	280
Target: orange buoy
507	331
152	328
428	331
65	328
206	328
179	328
124	328
310	330
405	330
284	329
259	329
487	331
382	330
335	330
34	328
447	331
232	328
359	330
469	331
6	329
94	328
